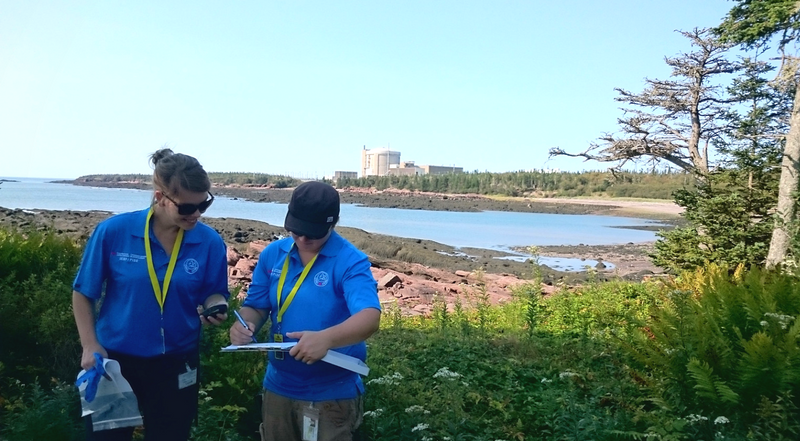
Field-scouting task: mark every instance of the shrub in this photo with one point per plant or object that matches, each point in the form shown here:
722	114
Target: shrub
721	343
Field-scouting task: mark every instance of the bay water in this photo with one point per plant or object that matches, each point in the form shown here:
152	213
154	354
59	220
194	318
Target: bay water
494	230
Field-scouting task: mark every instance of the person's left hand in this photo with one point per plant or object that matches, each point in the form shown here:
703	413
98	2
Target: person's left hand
211	320
311	346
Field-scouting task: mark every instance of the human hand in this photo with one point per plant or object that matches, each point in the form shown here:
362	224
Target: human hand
209	317
87	356
311	346
239	335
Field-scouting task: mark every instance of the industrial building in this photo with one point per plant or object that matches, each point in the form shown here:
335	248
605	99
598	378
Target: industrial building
385	162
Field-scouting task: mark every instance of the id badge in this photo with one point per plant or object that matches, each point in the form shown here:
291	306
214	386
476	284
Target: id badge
187	378
278	338
310	423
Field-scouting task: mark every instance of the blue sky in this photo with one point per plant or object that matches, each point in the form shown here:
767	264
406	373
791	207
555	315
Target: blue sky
299	87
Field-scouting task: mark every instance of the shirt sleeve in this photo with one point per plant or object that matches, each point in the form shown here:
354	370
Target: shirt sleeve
359	286
94	264
258	293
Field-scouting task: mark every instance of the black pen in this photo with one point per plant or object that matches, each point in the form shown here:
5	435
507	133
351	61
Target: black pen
241	320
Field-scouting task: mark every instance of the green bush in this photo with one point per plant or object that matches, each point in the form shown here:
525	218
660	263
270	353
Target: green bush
42	415
37	332
721	345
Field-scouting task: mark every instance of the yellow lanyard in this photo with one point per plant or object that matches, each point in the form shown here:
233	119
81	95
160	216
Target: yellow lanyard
160	296
290	297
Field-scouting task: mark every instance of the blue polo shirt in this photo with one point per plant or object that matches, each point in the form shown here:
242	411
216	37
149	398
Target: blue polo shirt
114	269
339	285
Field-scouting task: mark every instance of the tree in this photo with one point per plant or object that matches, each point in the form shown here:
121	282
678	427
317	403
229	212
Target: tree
729	211
752	23
671	120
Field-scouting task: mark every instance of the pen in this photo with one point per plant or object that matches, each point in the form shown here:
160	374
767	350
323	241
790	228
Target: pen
241	320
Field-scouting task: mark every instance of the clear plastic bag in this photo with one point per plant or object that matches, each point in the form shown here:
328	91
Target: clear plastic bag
114	405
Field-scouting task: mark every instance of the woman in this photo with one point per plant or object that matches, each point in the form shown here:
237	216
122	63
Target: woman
318	290
155	271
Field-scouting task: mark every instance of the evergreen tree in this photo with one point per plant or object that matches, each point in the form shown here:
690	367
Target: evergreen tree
729	210
752	23
672	120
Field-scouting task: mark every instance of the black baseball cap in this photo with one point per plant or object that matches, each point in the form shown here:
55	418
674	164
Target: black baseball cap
313	209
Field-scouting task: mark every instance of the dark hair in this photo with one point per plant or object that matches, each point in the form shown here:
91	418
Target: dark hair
175	171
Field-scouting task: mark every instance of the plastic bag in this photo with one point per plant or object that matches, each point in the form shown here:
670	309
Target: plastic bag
114	405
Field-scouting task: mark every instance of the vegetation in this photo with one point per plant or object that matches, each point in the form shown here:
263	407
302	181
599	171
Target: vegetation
671	120
234	178
536	183
706	356
729	211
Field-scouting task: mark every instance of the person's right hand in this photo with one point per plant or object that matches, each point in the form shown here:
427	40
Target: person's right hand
87	357
240	335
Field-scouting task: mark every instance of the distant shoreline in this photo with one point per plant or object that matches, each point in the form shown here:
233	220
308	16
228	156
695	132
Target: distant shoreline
390	198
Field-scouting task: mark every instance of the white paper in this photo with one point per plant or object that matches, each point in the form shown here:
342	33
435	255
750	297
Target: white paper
335	358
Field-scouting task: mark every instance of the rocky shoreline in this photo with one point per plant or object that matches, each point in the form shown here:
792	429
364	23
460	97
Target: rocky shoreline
412	273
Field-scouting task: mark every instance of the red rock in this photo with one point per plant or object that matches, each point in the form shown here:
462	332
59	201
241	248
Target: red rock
390	279
233	256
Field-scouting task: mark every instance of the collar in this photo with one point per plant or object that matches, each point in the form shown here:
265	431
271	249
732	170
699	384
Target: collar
140	218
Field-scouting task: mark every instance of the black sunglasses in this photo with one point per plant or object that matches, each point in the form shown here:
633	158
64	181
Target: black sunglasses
308	236
187	209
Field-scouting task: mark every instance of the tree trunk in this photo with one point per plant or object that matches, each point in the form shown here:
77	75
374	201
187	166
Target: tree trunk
790	177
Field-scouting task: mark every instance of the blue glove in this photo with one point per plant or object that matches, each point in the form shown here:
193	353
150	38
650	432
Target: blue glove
93	376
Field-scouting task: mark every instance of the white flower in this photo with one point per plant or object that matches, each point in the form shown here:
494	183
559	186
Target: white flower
567	374
390	380
692	418
783	320
721	420
373	413
546	380
415	408
420	426
764	323
446	373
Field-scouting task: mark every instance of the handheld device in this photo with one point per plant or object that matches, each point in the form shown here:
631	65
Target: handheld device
213	311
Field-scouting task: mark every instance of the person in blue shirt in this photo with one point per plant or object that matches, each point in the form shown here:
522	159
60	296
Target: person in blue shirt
316	289
154	272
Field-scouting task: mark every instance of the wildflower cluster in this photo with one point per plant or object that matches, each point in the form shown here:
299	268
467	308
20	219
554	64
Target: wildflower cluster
389	380
567	374
373	413
692	418
446	373
782	319
417	409
420	426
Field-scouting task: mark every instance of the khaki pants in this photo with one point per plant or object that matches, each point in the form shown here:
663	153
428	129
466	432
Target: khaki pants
282	418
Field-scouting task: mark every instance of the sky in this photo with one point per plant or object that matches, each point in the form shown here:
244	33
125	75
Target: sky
299	88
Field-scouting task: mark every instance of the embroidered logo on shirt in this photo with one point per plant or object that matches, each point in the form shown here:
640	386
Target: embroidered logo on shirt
191	266
321	279
127	257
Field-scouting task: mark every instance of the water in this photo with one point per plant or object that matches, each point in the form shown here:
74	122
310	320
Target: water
489	230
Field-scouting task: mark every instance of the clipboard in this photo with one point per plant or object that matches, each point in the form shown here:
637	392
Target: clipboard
344	361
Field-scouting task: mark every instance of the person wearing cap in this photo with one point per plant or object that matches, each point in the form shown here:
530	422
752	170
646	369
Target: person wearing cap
317	290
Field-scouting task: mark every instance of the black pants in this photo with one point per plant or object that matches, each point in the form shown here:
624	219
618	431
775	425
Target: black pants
167	411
